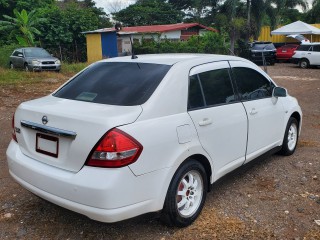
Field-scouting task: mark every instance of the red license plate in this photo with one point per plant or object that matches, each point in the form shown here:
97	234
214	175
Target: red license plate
47	145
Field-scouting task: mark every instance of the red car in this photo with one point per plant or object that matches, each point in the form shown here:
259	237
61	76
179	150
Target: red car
286	51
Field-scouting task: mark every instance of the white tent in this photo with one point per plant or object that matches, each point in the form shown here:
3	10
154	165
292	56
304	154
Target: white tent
297	27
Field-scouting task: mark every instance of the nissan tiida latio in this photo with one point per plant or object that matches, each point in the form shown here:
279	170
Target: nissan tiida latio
129	136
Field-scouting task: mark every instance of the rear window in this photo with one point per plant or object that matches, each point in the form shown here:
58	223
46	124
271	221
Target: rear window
116	83
303	48
263	47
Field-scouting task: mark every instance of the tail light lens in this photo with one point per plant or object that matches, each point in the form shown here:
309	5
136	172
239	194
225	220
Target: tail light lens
115	149
14	136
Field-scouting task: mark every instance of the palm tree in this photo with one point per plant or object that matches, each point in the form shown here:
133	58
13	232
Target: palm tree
313	15
22	26
276	8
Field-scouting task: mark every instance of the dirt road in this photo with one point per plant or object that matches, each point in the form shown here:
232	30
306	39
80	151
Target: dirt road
276	198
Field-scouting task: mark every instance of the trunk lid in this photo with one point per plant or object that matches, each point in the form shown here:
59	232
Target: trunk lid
62	132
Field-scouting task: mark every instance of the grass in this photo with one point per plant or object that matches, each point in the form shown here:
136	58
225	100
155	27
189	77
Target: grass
14	77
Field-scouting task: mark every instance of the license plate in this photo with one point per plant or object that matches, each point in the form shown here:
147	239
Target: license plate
47	145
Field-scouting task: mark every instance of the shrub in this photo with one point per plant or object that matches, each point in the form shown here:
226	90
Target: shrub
210	42
5	52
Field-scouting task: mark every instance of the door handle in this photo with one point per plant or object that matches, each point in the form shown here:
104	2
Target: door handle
205	122
253	111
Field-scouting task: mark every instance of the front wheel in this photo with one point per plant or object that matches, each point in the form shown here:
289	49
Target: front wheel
11	65
26	67
290	140
186	195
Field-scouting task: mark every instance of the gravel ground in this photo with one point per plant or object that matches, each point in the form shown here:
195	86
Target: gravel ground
274	198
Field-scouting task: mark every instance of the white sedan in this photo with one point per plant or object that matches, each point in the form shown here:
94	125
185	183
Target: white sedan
130	136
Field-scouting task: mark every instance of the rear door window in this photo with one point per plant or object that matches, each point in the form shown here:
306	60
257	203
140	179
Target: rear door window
210	88
115	83
303	48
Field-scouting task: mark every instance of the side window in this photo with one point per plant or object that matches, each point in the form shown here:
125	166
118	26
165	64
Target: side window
217	87
195	93
15	53
316	48
210	88
251	84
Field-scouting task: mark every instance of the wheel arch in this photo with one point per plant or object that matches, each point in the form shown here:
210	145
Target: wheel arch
298	117
205	163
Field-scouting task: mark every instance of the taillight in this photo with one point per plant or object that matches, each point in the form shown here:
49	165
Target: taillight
115	149
14	136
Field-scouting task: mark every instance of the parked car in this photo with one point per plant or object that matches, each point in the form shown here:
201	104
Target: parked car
263	50
117	141
34	59
307	55
285	52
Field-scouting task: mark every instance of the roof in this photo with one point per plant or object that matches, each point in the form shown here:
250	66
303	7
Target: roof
170	59
154	28
297	27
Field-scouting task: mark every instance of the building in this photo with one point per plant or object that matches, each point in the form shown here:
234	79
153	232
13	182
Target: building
107	42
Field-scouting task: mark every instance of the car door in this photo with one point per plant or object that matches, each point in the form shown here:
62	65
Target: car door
19	58
314	55
219	117
265	113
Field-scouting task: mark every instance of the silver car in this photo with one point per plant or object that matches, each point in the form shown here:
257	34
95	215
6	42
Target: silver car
34	59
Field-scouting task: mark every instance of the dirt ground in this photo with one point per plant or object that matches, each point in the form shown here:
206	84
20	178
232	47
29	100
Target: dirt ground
275	198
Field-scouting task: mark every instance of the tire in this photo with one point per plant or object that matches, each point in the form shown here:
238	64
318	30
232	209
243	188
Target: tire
26	67
11	65
290	139
272	62
186	195
304	63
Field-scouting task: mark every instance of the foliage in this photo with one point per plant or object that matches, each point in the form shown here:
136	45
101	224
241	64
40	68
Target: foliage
210	42
59	23
149	12
22	26
5	52
313	16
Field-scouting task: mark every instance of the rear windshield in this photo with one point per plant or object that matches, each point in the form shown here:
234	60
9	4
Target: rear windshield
115	83
263	47
303	48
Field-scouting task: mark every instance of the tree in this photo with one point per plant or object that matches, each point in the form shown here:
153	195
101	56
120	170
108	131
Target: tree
313	16
22	26
278	8
149	12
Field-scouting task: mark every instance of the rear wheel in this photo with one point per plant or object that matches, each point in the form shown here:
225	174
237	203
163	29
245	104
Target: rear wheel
304	63
290	138
11	65
186	195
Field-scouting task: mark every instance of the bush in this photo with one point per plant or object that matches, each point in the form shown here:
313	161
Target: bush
5	52
210	42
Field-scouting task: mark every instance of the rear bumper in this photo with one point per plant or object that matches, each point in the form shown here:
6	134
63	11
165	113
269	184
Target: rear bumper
106	195
295	60
260	59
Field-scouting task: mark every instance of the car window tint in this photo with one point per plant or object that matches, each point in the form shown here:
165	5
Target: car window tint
195	99
303	48
217	87
316	48
115	83
251	84
16	53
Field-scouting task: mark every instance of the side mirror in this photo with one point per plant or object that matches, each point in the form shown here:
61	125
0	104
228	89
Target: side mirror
20	55
279	92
